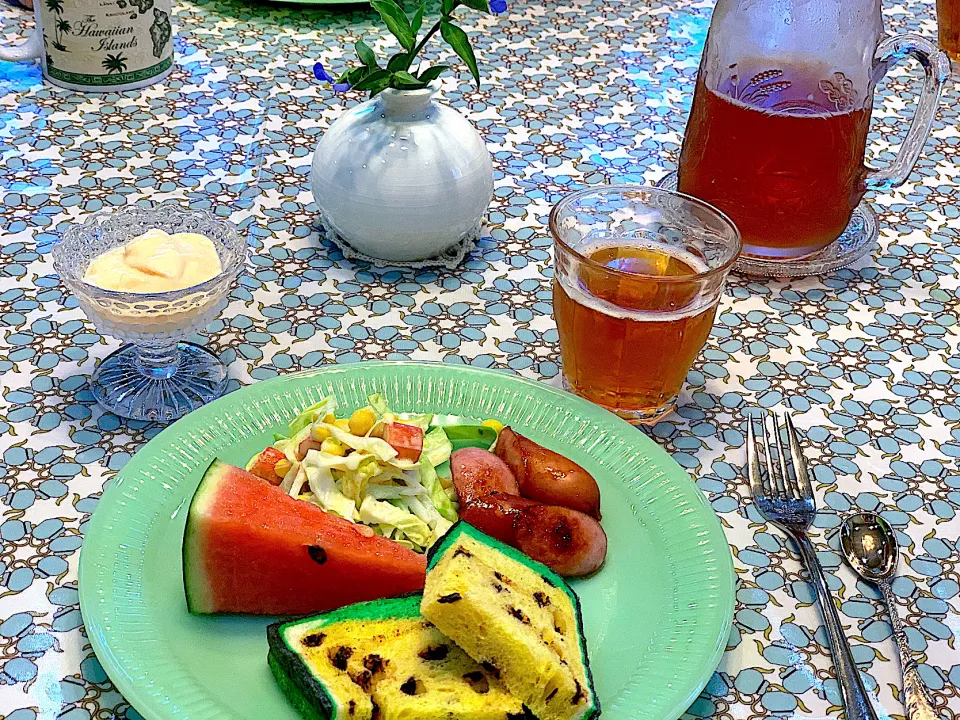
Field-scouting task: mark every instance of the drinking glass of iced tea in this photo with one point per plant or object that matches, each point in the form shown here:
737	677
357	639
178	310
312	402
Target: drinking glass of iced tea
778	127
638	273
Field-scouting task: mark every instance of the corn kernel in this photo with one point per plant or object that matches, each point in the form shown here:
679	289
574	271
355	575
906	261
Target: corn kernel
495	424
319	433
362	421
343	424
333	447
330	418
282	467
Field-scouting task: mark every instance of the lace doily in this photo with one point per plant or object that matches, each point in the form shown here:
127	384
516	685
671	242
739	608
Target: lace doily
449	258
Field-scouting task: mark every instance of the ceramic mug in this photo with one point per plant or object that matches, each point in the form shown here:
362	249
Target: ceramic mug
99	45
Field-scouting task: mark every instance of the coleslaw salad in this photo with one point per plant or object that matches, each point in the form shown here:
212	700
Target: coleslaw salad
402	491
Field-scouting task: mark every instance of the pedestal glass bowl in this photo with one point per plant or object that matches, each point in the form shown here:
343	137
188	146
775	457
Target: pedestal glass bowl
156	374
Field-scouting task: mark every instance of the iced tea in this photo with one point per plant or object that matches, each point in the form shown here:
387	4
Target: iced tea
628	343
638	274
781	158
948	29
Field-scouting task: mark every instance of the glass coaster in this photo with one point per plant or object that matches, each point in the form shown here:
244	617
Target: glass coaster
858	239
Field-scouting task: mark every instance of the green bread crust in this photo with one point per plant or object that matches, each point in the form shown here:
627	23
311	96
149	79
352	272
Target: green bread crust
195	584
306	708
445	543
294	677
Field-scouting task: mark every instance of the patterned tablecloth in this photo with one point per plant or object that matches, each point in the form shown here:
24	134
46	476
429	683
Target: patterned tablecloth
576	93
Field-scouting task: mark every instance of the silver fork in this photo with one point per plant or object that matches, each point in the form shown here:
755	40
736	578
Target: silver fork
788	502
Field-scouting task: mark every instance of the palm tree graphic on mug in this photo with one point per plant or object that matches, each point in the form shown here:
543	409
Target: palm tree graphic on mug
61	26
114	63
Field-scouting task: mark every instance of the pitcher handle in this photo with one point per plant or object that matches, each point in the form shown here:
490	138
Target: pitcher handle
936	70
31	48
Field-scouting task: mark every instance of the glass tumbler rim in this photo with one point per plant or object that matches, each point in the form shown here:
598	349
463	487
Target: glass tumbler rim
735	246
228	271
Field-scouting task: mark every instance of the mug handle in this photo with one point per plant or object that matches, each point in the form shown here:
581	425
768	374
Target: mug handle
28	50
936	70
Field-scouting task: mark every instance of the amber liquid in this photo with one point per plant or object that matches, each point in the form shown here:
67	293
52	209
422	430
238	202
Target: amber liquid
628	342
786	170
948	28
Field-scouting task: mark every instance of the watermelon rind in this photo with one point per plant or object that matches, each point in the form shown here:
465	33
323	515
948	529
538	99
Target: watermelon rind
196	584
443	545
305	691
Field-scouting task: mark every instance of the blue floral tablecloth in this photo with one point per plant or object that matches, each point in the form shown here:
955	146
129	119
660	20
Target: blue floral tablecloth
576	93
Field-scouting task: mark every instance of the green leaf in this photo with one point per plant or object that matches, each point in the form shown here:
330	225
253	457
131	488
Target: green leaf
417	19
481	5
379	86
431	74
353	75
396	21
406	77
458	40
373	79
398	62
447	6
406	81
366	54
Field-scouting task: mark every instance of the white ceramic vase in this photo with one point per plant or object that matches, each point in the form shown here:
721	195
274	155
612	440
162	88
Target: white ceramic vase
402	177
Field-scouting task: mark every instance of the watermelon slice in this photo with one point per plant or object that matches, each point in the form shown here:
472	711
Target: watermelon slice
250	548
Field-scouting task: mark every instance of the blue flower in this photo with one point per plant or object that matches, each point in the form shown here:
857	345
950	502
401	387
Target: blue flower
498	7
341	87
322	74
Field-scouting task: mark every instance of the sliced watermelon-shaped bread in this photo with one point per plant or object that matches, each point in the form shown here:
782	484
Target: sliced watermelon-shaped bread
250	548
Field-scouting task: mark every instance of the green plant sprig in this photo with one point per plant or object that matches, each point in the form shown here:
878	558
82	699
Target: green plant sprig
399	72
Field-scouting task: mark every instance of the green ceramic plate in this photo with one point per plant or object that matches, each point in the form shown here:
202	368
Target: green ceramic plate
656	617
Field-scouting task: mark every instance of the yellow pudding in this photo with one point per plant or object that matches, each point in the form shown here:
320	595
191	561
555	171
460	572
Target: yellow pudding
156	262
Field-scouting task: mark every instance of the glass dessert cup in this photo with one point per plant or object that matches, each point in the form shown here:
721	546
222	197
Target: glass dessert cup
156	374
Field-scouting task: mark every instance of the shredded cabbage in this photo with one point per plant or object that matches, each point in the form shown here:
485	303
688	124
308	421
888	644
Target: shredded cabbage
377	511
404	500
437	447
438	496
317	411
354	482
328	496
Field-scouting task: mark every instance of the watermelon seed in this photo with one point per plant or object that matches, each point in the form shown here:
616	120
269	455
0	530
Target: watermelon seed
340	656
580	695
541	598
491	668
525	715
451	598
317	554
412	686
519	615
362	679
313	639
374	663
478	682
461	551
435	652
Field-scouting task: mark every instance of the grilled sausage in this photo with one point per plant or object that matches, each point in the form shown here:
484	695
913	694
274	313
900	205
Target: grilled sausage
567	541
477	472
547	476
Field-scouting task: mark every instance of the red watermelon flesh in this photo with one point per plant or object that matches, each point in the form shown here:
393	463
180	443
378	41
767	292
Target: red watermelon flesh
250	548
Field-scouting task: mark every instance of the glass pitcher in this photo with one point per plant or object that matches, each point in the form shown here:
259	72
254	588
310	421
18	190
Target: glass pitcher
778	127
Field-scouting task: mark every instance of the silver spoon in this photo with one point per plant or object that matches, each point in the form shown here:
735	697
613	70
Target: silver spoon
870	547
